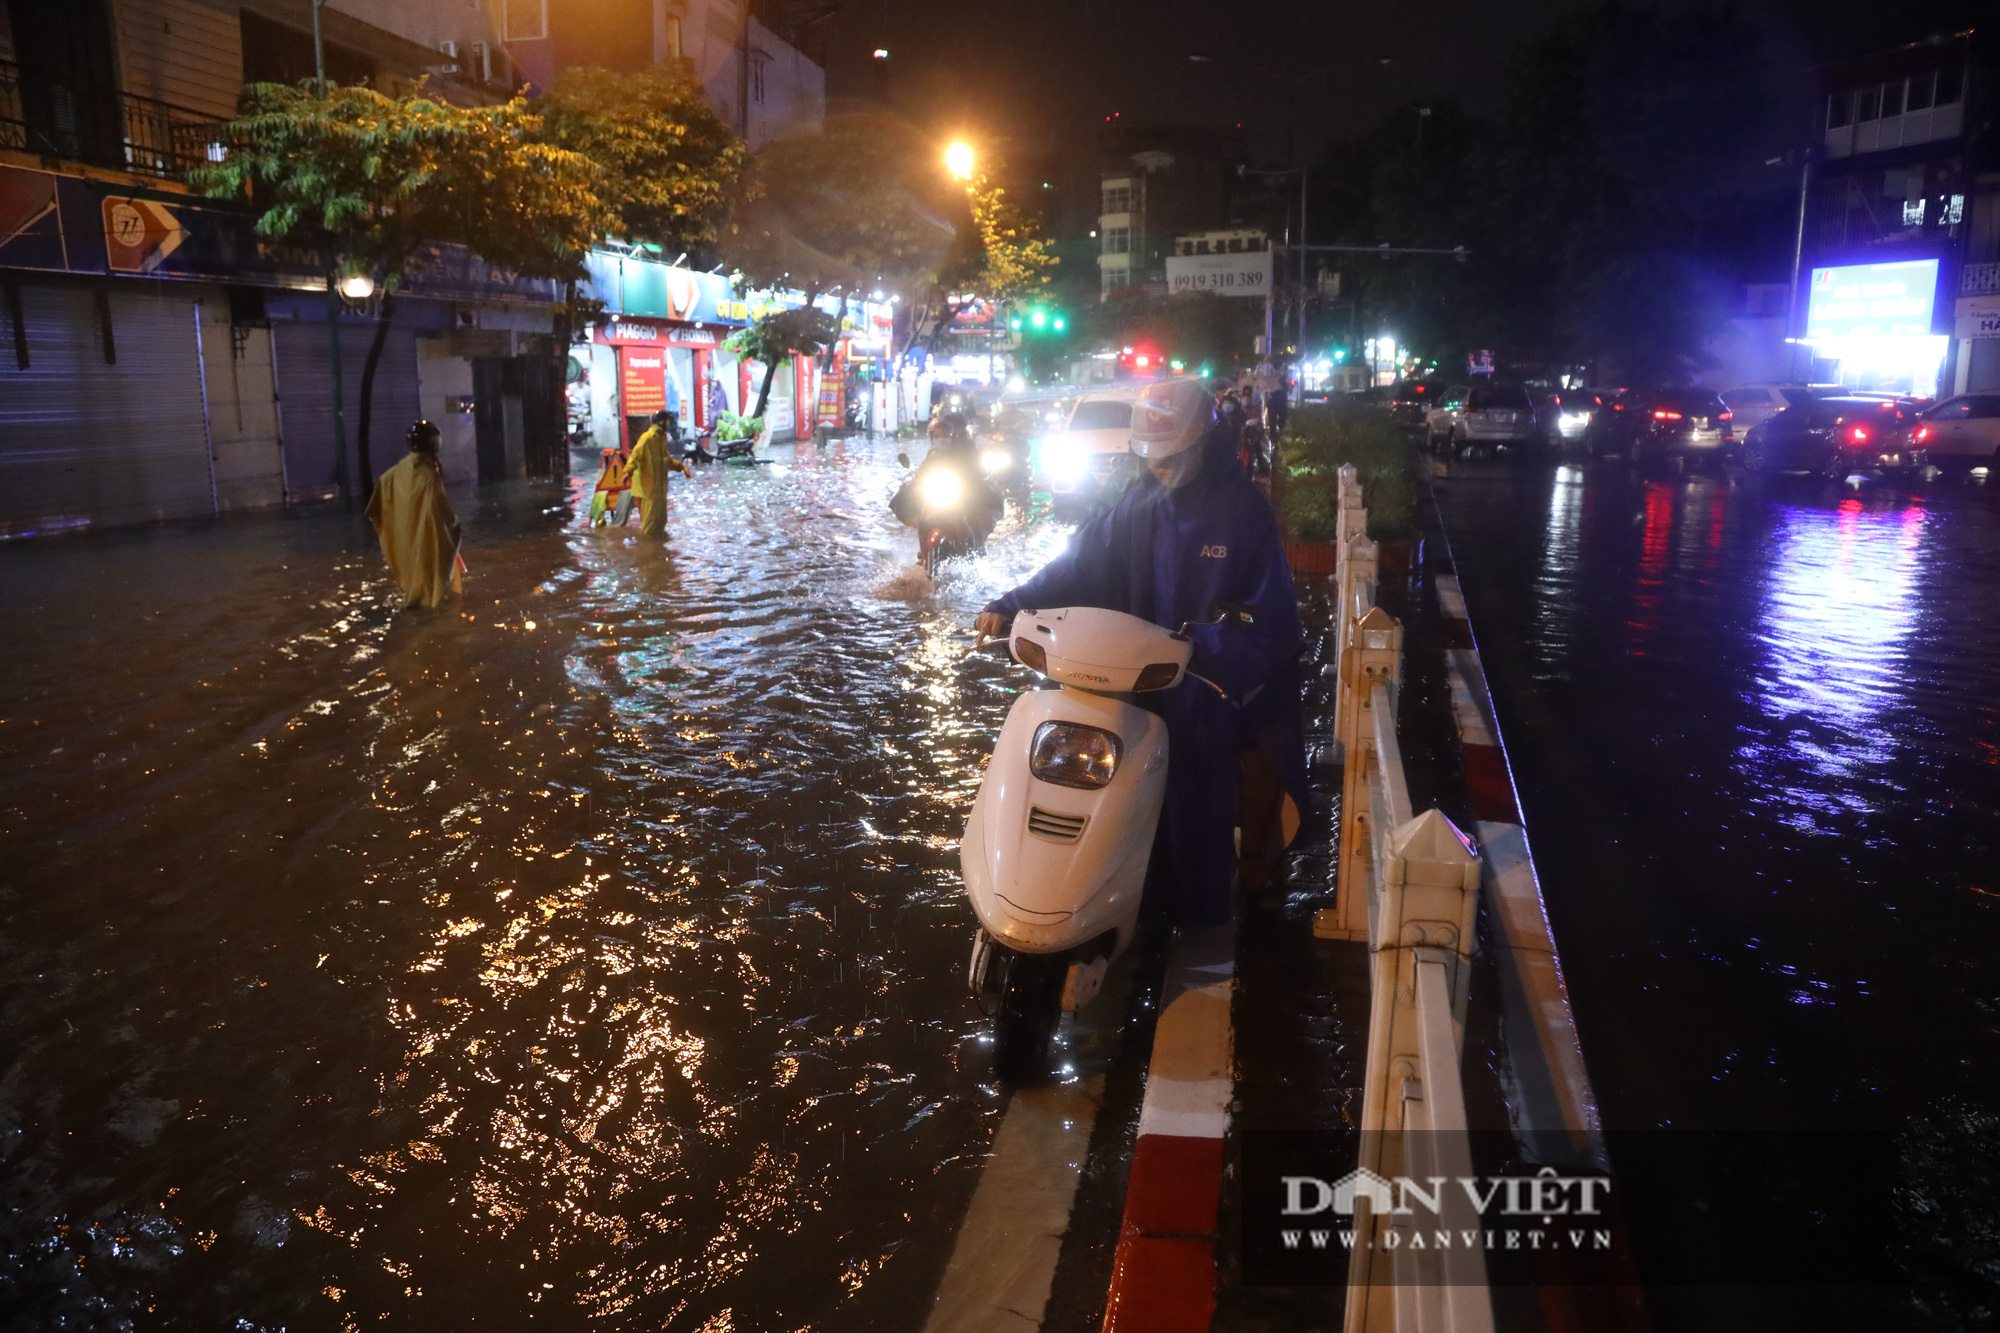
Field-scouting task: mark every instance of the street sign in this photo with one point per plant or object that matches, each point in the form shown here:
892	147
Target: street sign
139	233
1244	274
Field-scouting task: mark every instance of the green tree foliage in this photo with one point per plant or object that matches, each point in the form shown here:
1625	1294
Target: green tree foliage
1317	441
778	336
998	254
671	166
860	203
378	178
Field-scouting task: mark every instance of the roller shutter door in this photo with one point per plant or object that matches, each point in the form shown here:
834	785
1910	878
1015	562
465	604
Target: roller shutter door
305	403
84	442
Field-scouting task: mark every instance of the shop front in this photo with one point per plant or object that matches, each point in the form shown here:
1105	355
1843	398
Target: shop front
655	365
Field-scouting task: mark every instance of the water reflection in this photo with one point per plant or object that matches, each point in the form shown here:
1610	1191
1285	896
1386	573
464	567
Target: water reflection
1558	595
1836	611
593	950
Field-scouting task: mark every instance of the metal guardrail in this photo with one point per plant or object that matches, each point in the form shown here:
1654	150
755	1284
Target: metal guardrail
1408	885
150	137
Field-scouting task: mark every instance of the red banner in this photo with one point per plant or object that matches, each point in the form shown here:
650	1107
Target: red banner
642	382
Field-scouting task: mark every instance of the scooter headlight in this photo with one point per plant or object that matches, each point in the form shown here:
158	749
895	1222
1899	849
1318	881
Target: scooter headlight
1064	459
996	460
941	488
1070	755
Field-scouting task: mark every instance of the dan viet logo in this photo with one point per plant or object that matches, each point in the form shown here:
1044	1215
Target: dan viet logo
1544	1211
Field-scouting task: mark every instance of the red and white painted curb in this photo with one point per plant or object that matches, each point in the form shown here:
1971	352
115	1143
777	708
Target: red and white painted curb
1552	1093
1163	1276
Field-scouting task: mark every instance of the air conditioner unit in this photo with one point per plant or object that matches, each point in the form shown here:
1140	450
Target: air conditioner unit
450	52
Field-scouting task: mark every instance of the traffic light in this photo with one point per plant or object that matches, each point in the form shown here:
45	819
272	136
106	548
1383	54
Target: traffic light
1039	319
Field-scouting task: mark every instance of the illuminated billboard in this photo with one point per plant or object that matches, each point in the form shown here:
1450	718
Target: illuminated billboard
1872	300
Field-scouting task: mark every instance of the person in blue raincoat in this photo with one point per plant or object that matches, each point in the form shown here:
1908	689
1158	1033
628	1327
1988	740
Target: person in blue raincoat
1196	542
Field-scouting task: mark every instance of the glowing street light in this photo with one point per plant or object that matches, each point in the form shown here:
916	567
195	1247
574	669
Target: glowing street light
958	159
357	287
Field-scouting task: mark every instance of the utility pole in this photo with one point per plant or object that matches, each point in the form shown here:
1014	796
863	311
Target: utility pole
332	305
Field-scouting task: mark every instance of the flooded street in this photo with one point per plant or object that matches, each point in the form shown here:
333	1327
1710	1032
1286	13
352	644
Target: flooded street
590	949
1756	731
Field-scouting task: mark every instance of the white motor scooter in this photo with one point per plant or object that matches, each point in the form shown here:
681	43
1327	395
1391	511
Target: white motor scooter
1055	850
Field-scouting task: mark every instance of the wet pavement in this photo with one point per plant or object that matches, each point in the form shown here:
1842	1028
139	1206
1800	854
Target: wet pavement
1756	734
592	949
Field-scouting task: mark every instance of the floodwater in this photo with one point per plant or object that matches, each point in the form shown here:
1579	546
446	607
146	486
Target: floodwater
1756	730
589	952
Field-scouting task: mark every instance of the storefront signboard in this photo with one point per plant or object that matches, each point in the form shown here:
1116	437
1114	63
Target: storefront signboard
642	384
628	331
1872	300
1978	317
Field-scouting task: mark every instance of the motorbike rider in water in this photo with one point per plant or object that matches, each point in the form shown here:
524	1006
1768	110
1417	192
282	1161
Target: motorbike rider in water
952	445
1193	541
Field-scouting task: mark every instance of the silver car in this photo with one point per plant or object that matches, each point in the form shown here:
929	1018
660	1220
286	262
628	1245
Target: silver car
1484	414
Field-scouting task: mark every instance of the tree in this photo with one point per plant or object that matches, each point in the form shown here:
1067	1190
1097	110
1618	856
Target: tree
997	255
380	178
672	166
858	204
779	335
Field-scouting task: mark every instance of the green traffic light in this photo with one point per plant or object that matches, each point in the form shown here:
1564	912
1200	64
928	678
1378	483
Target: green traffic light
1015	323
1061	323
1040	318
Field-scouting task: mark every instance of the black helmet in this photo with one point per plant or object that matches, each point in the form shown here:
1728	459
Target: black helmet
660	417
423	435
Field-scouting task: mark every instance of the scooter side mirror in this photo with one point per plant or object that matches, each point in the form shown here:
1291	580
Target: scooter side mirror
903	459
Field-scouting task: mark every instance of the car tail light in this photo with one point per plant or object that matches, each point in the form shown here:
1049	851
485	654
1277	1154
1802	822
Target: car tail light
1665	414
1858	435
1030	654
1725	416
1071	755
1923	433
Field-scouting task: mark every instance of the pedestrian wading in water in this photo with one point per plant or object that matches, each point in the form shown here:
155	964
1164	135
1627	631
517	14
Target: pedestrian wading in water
418	530
652	461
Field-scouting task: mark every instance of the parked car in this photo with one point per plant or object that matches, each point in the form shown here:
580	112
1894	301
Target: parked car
1960	433
1411	401
1076	459
1485	414
1755	404
1665	425
1836	437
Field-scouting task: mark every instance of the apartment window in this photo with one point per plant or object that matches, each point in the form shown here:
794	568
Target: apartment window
527	20
1118	199
1840	111
1117	277
1950	85
1923	91
674	51
1117	240
1868	104
1892	99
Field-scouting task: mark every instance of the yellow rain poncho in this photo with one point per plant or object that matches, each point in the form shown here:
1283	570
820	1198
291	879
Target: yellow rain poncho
652	461
418	529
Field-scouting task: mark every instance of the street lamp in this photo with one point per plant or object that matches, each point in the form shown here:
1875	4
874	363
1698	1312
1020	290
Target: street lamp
357	287
958	160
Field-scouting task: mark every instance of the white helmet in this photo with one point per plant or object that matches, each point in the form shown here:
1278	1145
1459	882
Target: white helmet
1169	418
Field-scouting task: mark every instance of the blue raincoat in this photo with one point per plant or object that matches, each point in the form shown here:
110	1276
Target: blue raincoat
1170	556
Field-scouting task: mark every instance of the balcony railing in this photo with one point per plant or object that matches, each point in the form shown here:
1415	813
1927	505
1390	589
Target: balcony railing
1979	280
149	137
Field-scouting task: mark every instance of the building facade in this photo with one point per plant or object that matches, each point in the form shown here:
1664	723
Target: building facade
756	80
1157	182
1901	242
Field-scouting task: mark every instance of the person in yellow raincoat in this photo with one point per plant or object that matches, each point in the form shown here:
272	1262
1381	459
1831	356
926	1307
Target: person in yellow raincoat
418	530
652	459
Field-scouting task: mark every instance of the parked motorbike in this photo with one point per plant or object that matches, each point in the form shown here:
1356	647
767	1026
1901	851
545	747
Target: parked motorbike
1055	851
951	506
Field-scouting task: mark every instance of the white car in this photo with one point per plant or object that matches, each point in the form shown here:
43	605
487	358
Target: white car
1960	433
1076	460
1485	414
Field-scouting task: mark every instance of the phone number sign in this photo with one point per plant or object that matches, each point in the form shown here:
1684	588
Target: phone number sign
1244	274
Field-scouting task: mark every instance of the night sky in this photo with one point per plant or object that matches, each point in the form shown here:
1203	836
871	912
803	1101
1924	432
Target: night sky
1042	75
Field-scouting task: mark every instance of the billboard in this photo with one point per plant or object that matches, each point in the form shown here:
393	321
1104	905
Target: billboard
1872	300
1247	273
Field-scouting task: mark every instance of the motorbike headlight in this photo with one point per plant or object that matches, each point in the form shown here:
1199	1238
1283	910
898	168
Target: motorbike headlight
1064	460
996	460
941	488
1070	755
